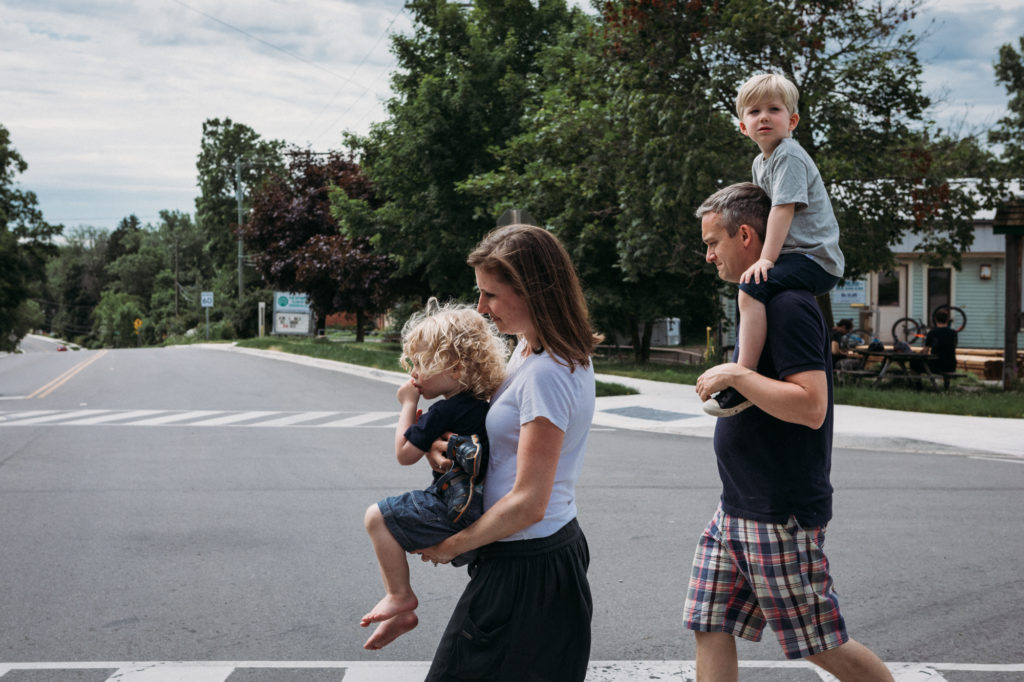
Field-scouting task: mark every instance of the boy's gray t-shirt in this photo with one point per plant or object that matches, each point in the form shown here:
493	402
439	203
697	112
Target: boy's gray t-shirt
789	176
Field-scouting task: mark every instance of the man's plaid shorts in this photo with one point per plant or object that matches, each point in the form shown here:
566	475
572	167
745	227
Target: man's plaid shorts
748	573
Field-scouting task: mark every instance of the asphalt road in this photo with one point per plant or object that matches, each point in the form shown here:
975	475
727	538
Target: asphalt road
233	529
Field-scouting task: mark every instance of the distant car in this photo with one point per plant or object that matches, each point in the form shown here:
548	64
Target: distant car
61	347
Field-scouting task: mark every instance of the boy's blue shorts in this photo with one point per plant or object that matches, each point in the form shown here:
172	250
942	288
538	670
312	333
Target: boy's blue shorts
792	271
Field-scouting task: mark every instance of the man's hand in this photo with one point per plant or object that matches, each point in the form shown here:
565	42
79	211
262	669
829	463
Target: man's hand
758	272
719	378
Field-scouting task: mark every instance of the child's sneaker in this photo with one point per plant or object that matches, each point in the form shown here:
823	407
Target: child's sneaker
469	454
726	403
457	490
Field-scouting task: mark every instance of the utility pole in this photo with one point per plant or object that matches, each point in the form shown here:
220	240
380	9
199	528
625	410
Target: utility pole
238	199
177	293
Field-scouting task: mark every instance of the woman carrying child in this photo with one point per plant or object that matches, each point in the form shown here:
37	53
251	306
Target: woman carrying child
526	612
450	351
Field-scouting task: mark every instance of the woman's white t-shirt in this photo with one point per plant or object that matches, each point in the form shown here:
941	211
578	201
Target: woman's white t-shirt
537	386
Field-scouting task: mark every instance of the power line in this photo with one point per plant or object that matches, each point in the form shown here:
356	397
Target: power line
385	32
270	45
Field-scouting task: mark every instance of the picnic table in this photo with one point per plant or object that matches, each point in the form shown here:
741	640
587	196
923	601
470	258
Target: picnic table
900	358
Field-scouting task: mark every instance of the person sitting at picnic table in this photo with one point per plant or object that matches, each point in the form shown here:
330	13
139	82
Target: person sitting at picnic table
941	341
843	358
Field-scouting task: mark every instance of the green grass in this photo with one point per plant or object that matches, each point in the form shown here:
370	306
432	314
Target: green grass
966	396
381	355
605	389
368	354
972	399
676	374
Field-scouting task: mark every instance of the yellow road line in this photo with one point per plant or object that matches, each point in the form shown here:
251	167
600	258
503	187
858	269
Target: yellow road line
53	385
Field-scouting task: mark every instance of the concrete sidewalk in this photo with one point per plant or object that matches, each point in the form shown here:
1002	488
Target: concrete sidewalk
675	408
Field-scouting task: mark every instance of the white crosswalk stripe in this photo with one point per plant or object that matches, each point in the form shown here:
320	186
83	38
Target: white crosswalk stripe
116	416
58	416
234	418
359	419
414	671
204	418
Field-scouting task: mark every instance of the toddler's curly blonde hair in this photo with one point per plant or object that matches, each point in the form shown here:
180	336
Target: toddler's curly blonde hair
455	337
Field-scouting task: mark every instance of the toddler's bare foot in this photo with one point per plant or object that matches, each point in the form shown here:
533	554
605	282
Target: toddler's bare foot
389	607
391	629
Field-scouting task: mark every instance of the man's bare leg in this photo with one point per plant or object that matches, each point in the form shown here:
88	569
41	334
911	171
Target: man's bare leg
716	657
853	662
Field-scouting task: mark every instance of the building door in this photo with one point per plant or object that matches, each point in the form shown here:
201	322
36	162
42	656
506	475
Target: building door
890	296
940	289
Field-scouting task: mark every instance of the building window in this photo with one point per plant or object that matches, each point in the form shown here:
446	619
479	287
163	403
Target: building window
888	289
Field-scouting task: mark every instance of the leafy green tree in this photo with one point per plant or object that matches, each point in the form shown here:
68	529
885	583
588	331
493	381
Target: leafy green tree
1009	132
76	278
26	241
459	93
143	255
230	151
114	318
584	161
174	301
298	244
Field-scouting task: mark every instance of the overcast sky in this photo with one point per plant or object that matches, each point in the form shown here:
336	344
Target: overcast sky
105	99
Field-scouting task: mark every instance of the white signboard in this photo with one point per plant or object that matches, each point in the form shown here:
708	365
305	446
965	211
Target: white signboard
206	299
853	293
292	314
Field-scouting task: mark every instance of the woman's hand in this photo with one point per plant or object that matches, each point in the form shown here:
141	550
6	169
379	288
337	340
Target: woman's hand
436	554
438	454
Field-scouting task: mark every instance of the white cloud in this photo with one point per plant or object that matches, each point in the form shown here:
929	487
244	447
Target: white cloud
116	91
105	99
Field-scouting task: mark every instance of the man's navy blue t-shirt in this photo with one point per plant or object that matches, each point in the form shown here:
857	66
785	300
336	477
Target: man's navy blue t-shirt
772	469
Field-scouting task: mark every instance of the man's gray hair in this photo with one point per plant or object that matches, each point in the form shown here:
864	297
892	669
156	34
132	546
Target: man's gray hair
741	204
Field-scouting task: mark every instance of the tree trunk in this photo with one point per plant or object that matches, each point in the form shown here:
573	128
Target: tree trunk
641	341
634	338
645	342
360	325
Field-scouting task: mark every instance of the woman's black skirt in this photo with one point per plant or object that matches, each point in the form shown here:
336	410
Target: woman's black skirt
524	616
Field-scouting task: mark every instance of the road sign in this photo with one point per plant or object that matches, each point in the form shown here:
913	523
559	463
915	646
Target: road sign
292	314
206	299
137	323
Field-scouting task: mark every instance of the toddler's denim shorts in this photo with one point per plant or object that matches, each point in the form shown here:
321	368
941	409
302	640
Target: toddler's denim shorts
419	518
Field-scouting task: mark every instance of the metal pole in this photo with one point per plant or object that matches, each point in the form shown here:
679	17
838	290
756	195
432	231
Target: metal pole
238	199
1013	307
176	285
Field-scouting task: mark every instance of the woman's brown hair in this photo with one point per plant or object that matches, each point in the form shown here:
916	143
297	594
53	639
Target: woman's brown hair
535	264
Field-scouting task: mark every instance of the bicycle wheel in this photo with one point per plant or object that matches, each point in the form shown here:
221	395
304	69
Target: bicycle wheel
857	337
957	317
908	330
